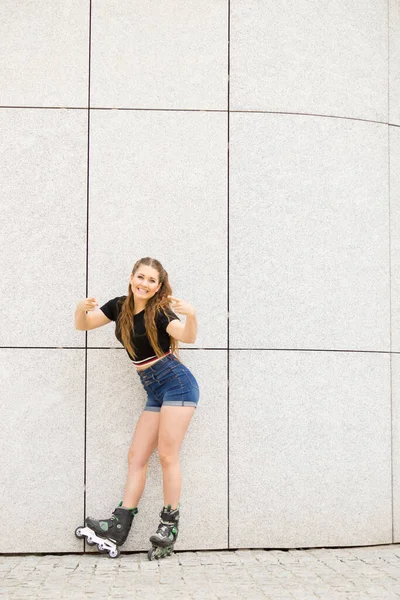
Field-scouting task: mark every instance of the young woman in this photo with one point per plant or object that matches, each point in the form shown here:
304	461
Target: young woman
149	331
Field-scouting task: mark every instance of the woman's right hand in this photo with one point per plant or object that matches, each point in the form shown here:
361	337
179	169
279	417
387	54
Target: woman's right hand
88	304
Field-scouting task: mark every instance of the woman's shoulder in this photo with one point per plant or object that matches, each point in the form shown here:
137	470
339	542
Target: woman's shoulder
117	298
117	301
113	306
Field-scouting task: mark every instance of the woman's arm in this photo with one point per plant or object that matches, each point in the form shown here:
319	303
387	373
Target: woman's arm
187	332
84	322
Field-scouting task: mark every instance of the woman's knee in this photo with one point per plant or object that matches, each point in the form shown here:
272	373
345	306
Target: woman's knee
168	457
136	461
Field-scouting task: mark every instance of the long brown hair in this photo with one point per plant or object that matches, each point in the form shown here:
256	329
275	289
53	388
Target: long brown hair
157	303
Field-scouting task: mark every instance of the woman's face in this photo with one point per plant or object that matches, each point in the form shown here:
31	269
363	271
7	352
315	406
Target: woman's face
145	282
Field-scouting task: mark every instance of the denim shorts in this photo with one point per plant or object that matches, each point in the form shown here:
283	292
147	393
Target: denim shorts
169	383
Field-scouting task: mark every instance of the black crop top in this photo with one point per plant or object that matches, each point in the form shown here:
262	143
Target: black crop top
144	350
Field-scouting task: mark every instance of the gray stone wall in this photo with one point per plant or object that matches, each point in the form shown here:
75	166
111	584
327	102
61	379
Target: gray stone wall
272	198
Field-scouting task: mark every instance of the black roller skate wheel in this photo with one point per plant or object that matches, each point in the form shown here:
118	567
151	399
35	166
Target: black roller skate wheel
114	553
78	533
166	552
151	553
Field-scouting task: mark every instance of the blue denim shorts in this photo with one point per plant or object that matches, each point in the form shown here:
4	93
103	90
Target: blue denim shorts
169	383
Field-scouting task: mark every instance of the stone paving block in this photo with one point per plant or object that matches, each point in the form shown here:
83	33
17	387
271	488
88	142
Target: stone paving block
209	560
99	578
189	558
230	559
245	556
279	596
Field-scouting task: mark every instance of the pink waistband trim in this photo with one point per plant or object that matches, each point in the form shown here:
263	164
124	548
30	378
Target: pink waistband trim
151	360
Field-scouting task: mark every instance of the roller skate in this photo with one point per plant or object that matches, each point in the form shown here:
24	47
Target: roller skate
163	541
108	534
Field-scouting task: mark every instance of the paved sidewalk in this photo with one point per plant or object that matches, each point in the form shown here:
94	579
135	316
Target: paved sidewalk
364	573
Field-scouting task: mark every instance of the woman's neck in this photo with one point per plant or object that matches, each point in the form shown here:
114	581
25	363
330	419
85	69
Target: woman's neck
139	307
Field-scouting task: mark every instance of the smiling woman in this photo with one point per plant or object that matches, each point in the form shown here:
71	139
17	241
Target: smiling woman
149	330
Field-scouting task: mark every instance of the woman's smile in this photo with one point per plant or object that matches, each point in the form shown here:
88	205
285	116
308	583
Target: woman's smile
145	282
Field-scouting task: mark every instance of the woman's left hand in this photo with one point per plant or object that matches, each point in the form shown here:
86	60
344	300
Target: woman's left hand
181	306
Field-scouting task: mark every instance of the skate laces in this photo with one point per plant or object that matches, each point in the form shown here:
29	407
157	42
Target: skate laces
164	529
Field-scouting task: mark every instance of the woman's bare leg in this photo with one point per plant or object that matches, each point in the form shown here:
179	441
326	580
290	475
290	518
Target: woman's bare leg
143	444
174	422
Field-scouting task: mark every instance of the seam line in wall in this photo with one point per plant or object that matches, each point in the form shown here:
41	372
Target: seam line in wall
227	255
390	281
87	254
